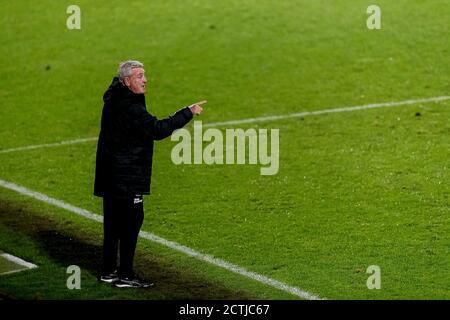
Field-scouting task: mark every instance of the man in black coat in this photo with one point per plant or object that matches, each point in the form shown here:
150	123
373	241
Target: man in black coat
124	167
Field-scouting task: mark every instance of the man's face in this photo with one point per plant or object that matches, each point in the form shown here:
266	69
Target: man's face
136	82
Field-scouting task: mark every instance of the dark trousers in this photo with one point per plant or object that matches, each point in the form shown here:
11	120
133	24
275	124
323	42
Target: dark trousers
122	220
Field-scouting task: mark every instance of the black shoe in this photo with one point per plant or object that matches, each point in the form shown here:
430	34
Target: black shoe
109	277
132	282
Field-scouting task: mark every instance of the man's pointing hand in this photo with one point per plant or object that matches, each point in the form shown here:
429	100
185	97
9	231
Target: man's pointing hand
196	108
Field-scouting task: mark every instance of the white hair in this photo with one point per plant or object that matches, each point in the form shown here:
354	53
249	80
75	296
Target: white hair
126	68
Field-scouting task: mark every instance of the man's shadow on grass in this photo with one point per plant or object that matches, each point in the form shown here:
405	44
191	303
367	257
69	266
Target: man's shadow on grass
65	243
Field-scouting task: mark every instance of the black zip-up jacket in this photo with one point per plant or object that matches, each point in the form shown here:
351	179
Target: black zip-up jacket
125	144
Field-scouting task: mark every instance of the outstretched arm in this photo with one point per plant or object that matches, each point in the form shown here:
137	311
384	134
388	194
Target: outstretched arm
152	128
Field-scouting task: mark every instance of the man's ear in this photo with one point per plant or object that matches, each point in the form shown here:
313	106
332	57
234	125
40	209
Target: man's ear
126	81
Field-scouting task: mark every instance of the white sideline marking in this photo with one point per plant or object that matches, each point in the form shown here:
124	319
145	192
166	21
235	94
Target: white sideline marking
49	145
171	244
16	260
258	119
325	111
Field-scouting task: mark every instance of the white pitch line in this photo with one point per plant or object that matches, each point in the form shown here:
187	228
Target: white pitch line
49	145
12	271
326	111
17	260
171	244
258	119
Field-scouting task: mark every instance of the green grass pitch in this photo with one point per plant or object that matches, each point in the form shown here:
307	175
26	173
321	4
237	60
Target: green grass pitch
354	189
